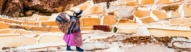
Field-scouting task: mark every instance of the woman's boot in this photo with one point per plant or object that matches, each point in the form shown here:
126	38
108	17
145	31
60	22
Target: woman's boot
68	48
79	49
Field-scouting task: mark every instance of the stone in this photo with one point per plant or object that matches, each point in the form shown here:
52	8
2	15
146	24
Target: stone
30	12
10	7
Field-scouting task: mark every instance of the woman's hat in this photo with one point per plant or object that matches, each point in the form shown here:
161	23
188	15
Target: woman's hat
76	11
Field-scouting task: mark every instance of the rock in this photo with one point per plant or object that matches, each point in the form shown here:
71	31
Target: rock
17	8
60	9
16	14
10	7
30	12
21	14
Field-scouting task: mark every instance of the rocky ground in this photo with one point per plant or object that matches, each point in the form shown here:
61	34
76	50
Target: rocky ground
98	41
40	34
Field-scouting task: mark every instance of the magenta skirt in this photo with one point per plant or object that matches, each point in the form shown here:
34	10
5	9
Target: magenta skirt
73	39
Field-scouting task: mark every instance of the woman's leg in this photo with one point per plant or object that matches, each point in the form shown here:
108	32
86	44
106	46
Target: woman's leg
79	41
68	48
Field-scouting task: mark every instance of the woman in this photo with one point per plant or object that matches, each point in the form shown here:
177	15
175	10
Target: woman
71	27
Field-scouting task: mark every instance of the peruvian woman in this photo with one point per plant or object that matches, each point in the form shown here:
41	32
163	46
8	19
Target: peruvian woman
70	26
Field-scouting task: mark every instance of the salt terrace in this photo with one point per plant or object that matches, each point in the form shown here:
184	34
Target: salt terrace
142	26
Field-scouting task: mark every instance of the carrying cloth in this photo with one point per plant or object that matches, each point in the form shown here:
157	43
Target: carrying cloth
63	23
68	25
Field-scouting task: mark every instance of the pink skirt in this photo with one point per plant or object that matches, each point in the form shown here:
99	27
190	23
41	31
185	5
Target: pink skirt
73	39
